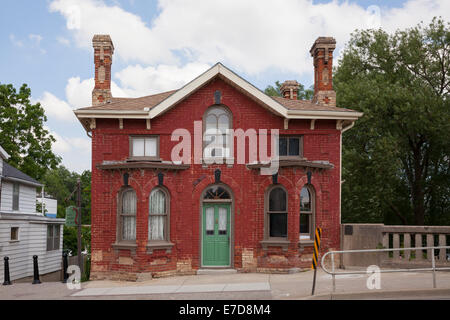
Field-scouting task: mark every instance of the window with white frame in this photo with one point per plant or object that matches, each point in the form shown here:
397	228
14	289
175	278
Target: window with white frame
127	219
14	234
306	213
217	138
53	237
144	147
158	219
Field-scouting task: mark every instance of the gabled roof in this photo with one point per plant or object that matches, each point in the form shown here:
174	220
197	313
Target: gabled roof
152	106
9	172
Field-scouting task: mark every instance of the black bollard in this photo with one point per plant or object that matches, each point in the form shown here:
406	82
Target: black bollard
65	266
36	270
7	279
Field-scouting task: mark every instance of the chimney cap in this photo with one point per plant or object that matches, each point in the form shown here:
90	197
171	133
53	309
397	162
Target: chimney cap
288	84
102	39
323	43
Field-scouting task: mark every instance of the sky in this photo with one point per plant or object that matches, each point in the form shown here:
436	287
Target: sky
162	45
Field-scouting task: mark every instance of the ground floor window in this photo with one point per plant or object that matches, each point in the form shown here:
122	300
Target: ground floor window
306	213
128	215
277	213
14	234
53	237
158	215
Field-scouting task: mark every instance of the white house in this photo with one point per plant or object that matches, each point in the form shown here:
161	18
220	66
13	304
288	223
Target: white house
24	232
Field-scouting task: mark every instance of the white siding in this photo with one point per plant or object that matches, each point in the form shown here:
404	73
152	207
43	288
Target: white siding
1	167
27	198
7	191
32	241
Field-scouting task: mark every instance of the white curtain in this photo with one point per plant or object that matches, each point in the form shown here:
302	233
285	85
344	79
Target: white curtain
129	215
210	219
222	219
157	215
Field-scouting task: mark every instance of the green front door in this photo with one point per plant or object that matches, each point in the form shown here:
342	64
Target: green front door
216	235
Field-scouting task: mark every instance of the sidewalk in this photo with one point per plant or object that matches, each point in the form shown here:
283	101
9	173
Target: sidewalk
240	286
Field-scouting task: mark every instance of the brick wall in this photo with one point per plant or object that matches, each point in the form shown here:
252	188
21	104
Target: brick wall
109	143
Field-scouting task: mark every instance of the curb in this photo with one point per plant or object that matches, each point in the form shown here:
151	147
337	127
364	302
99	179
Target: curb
375	295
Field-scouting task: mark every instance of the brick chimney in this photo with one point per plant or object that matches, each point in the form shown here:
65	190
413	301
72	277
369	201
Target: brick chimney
103	52
289	89
322	52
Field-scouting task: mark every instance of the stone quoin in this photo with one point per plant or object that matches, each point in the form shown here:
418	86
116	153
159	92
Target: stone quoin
153	216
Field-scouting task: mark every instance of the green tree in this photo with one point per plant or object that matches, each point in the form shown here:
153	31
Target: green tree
303	94
61	183
396	159
22	132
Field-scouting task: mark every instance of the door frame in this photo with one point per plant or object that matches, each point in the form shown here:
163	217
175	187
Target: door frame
231	203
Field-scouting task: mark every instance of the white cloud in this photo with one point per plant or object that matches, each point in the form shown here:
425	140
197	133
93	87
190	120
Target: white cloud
63	41
75	151
56	108
14	41
140	81
36	38
250	36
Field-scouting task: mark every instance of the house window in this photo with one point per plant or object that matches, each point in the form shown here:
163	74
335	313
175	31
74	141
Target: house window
290	146
277	213
306	213
158	221
53	237
217	138
145	148
16	192
14	234
127	218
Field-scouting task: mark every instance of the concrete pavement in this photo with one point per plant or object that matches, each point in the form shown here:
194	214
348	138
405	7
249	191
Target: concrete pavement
242	286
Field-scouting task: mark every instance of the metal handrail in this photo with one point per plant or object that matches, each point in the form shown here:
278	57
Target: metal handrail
433	262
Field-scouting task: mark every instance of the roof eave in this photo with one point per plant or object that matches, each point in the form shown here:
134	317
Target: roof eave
329	115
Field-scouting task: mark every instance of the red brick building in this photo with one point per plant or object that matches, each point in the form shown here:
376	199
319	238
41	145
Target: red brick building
154	214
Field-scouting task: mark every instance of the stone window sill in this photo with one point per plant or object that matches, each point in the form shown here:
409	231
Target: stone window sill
284	244
125	246
159	245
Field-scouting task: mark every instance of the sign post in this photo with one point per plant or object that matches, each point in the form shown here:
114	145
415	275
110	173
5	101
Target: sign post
315	261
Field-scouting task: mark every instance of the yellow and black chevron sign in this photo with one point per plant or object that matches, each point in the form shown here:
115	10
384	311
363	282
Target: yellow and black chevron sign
317	236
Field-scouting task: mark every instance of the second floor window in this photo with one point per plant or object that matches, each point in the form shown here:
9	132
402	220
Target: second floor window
146	147
16	192
291	146
217	142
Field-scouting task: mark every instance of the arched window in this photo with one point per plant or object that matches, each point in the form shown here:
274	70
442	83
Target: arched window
127	220
217	193
217	122
277	213
158	218
306	213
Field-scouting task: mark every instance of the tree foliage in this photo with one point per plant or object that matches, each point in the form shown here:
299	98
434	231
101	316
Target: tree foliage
22	132
303	94
61	183
396	158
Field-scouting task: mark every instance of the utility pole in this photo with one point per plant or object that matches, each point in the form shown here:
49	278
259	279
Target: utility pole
80	258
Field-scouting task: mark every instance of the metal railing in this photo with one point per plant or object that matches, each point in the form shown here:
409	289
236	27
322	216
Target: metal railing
432	269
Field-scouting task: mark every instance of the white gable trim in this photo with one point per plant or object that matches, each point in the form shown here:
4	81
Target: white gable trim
207	76
3	154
